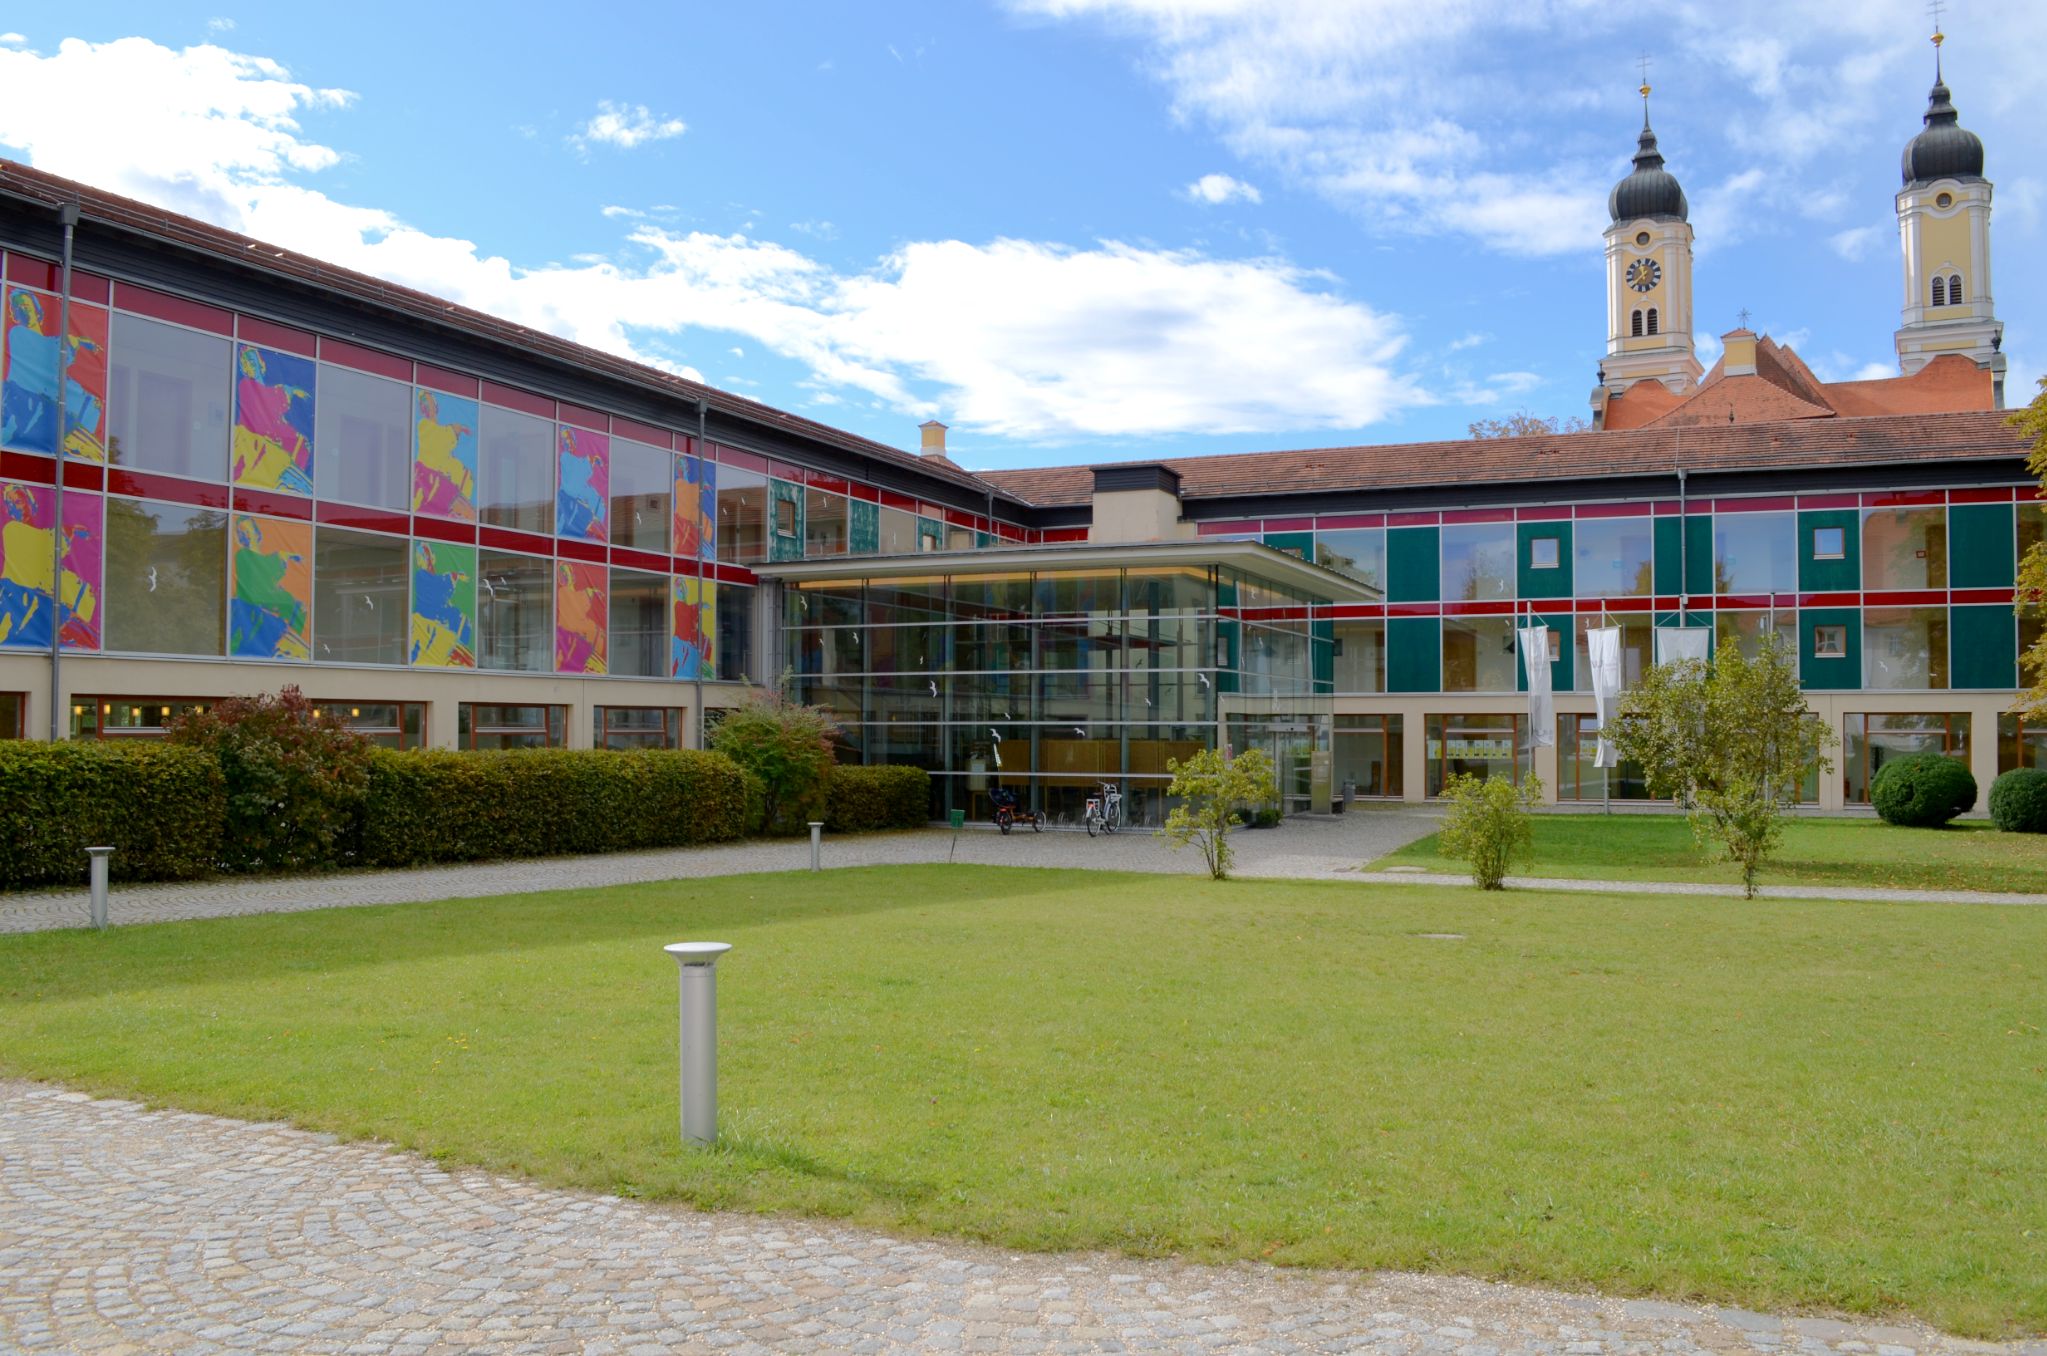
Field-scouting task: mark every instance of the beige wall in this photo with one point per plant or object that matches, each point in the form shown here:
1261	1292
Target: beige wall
1137	515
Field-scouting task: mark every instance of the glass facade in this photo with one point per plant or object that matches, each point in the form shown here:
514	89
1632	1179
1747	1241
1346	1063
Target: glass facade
1868	741
1478	745
484	726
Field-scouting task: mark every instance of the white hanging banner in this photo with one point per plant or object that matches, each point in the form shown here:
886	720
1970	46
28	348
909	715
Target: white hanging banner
1603	650
1683	642
1542	721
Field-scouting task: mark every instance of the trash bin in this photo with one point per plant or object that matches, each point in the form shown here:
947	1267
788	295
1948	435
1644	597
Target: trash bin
1350	793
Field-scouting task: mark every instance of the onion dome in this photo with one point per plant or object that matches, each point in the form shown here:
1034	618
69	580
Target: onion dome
1944	149
1650	190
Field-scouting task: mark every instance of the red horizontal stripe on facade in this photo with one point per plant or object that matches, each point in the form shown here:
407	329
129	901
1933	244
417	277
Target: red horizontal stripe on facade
1776	503
868	494
1231	529
1352	611
745	461
1413	519
362	519
960	518
1615	510
782	470
362	359
585	418
818	480
275	504
1668	508
1906	598
512	398
1413	609
2001	596
1829	501
1492	608
170	489
1059	534
1996	494
1289	524
84	475
29	467
580	550
1478	516
1829	599
30	271
1546	513
1743	600
454	383
1342	522
733	574
639	560
1783	600
505	539
642	433
901	502
463	534
1901	498
144	301
253	331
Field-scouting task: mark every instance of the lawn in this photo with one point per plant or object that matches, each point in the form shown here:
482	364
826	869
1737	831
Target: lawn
1860	852
1778	1104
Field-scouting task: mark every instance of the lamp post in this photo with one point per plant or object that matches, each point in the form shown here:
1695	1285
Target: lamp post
697	1006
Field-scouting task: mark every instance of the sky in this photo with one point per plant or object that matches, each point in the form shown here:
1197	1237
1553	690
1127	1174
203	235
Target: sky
1073	230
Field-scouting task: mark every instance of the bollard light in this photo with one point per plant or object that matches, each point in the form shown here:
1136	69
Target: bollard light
817	845
697	1004
99	857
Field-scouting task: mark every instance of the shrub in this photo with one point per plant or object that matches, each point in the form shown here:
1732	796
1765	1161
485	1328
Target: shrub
789	746
864	799
2018	801
1922	790
1489	824
437	806
295	780
1210	786
159	807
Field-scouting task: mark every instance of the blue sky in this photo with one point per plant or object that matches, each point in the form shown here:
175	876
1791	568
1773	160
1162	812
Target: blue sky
1073	229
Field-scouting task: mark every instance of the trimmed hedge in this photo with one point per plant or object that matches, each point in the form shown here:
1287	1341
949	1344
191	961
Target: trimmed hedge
436	806
2018	801
1922	790
863	799
160	808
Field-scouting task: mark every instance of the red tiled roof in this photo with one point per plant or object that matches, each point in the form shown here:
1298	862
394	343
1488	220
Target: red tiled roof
127	213
1783	387
1567	456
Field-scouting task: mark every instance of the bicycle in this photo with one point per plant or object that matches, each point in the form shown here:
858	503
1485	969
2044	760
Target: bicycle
1104	810
1008	813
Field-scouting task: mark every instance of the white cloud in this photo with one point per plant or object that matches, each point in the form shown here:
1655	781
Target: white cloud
1876	371
1217	189
1011	337
13	40
626	126
1472	340
221	25
1855	243
818	230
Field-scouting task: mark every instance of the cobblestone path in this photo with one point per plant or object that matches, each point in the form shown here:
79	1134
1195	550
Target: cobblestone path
123	1230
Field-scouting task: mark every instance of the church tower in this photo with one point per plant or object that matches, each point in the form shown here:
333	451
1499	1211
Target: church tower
1944	223
1648	277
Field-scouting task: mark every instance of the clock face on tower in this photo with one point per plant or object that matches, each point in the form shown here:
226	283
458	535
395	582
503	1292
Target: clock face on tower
1644	274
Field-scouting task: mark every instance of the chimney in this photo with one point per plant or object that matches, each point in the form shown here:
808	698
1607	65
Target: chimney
933	444
1738	357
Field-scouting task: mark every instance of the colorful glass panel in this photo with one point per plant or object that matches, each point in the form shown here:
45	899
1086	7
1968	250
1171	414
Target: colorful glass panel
443	605
270	611
581	624
273	437
25	515
696	623
444	456
696	507
28	397
582	505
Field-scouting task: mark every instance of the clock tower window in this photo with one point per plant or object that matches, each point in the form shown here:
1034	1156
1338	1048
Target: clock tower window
1954	289
1635	326
1652	320
1939	290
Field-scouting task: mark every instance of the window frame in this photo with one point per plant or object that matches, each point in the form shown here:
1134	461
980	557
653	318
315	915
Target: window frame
602	730
469	730
410	734
1830	641
1840	551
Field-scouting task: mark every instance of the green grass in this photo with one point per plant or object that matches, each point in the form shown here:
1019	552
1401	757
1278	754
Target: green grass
1856	852
1781	1104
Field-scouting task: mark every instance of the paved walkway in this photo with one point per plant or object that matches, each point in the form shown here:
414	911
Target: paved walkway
123	1230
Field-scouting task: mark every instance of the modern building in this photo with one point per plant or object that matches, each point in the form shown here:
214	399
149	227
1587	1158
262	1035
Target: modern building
453	531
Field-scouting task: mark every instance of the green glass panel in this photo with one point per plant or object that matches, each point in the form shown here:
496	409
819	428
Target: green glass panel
1560	669
1689	555
1414	652
785	521
1551	582
863	527
1984	644
1980	547
1323	638
1833	575
1300	544
1830	672
1413	565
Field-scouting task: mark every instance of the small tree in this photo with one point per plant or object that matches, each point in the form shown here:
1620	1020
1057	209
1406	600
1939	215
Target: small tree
295	779
788	748
1489	824
2030	599
1731	742
1210	787
1522	424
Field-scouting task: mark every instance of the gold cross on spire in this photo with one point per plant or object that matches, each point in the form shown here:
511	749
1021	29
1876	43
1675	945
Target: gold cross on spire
1643	62
1935	8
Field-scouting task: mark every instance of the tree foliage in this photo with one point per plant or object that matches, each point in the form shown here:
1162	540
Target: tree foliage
1922	790
1524	424
295	778
789	748
1731	742
1210	787
1489	824
2031	596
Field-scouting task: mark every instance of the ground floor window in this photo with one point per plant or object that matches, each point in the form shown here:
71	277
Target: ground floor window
637	727
1869	740
1578	775
2021	743
511	727
389	725
1480	744
734	645
13	714
130	717
1368	755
